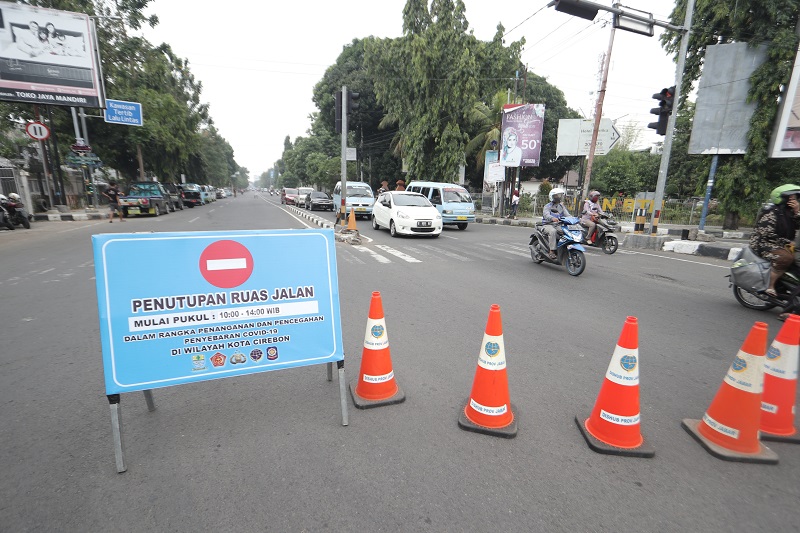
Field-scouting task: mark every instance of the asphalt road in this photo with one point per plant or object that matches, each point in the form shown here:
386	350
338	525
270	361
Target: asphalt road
267	452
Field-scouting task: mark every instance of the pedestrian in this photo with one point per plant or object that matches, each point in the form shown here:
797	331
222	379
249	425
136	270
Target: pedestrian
112	193
401	185
514	204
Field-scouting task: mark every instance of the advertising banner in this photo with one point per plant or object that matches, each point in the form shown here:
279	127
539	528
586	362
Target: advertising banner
786	138
48	57
177	308
522	135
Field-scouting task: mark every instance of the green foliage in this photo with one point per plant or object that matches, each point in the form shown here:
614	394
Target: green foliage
627	172
742	181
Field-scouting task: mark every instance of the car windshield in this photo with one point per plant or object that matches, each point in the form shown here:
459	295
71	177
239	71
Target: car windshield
290	191
359	192
304	190
191	187
457	196
144	188
316	194
416	200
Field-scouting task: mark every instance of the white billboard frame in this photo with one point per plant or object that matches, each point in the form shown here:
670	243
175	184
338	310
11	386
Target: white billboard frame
785	141
55	61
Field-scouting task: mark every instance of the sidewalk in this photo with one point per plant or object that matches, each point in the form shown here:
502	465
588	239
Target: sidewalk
726	244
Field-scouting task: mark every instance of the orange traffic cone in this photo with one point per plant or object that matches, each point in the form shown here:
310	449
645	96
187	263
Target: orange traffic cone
489	408
729	428
780	385
613	426
351	222
376	384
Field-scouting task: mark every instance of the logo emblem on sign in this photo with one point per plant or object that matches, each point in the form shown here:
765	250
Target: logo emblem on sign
492	349
256	355
218	359
272	353
628	363
739	365
773	353
377	331
238	358
198	362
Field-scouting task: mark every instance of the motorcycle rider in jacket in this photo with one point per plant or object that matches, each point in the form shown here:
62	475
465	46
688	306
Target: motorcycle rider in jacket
553	213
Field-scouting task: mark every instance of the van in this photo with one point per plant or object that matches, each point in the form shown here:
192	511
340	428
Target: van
360	198
452	200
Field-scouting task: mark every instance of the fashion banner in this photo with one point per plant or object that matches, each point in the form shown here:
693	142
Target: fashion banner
522	135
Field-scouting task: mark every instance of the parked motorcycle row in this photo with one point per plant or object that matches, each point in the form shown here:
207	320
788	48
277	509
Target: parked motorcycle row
13	212
570	244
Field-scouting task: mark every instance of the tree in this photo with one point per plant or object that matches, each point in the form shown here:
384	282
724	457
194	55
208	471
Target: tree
426	82
743	183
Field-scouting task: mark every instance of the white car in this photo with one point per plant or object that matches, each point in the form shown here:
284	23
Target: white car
406	213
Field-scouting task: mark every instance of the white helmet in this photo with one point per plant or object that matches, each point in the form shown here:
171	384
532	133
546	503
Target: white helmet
557	191
14	196
3	198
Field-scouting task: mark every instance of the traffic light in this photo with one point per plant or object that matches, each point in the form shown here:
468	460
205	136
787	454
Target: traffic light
338	105
665	101
577	8
352	102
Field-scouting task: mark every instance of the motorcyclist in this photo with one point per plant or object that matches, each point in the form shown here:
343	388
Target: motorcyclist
775	230
553	213
591	212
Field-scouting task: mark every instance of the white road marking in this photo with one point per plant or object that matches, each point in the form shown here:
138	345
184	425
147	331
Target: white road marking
440	251
192	220
376	256
505	250
81	227
397	253
631	252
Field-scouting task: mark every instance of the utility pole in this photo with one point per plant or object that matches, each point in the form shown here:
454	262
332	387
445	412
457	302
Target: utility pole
598	113
664	168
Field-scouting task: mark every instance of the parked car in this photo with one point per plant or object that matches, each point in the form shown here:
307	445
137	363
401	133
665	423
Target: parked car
192	194
219	194
288	194
318	200
406	213
302	192
207	193
175	195
145	198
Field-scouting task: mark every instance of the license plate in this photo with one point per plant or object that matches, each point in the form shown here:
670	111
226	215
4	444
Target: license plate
461	218
133	210
424	224
361	208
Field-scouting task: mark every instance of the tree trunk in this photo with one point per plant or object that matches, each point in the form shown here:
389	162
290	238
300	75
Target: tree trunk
731	221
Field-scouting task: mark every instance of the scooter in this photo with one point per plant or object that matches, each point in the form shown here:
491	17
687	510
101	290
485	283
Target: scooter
604	237
569	250
5	219
17	213
787	290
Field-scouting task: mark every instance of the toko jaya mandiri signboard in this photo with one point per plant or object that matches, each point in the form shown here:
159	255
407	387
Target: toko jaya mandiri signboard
177	308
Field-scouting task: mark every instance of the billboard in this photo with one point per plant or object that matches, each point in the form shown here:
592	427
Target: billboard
522	135
48	57
786	137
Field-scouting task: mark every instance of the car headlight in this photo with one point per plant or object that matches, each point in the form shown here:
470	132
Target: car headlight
400	214
471	211
448	211
438	216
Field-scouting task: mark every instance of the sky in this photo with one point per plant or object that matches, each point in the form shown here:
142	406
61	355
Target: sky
258	62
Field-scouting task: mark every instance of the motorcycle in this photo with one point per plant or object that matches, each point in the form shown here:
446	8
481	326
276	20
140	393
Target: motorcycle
17	213
787	290
569	251
5	220
604	237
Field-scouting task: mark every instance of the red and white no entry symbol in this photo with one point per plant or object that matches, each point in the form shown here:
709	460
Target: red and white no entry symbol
226	264
37	130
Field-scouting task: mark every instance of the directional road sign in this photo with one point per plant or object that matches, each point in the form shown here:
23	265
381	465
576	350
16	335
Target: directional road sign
575	137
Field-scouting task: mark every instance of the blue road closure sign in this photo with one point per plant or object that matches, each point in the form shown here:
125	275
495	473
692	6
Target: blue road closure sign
182	307
121	112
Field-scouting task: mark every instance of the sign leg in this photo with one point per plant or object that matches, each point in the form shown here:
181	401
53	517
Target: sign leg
148	397
116	431
343	391
330	371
